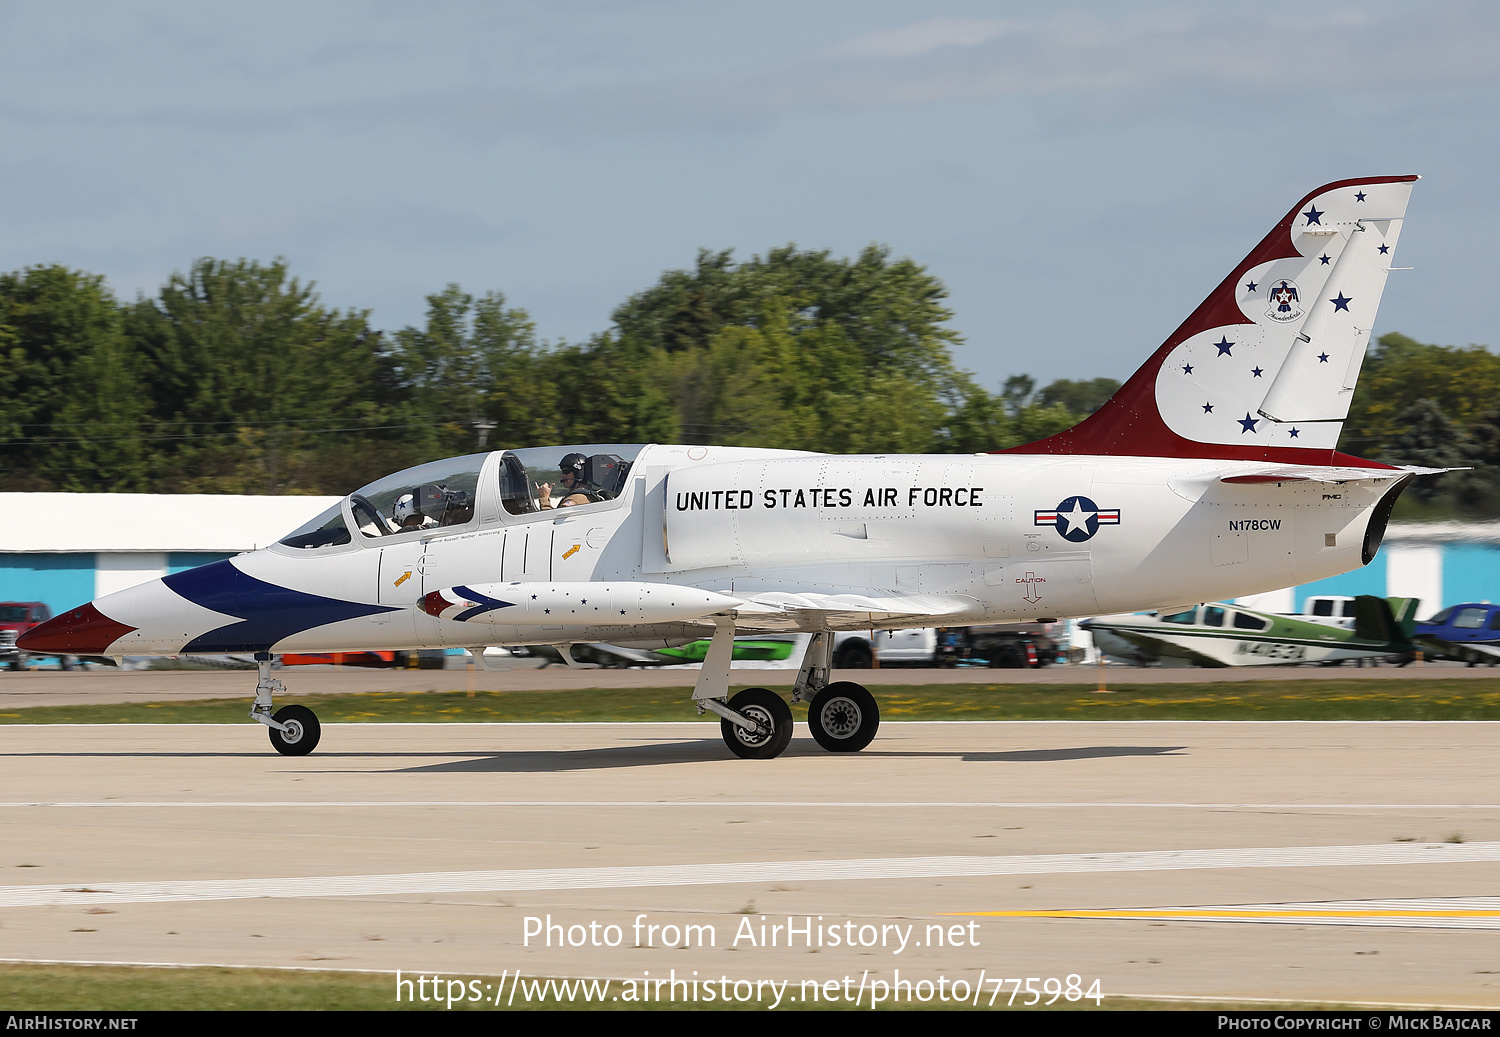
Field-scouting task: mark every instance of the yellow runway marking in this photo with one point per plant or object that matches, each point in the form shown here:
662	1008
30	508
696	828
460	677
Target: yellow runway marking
1481	912
1229	914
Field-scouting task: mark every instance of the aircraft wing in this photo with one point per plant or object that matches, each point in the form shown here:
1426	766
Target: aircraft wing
1465	651
783	610
1158	645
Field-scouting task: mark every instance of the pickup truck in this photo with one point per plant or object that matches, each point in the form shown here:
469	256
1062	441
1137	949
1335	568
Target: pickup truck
1007	646
17	617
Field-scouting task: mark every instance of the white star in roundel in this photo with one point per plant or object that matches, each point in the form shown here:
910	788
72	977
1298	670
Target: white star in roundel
1078	518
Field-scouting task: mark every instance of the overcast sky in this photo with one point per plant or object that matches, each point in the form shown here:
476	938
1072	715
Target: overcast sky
1080	175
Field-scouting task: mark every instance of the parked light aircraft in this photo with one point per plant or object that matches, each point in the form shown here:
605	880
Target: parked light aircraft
1212	473
1220	634
1469	633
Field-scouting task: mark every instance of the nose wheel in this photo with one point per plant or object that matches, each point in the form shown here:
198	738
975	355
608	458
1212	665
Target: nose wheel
299	732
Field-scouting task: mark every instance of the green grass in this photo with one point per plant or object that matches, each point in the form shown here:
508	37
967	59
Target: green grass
111	988
1276	699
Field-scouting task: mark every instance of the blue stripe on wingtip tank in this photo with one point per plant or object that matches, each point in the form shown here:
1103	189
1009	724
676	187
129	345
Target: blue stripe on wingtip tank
266	613
486	604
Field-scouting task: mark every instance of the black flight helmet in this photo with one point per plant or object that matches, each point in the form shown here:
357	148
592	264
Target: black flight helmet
574	463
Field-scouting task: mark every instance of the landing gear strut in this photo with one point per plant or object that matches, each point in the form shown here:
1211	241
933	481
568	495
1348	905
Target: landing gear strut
756	723
294	730
842	716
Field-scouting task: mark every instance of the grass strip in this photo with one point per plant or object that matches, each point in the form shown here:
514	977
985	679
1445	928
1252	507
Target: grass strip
1352	699
117	988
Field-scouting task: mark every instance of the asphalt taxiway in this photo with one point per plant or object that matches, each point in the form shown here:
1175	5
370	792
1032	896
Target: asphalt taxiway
1350	862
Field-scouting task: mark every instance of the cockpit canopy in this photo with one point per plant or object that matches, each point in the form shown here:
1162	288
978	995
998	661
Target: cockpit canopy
505	486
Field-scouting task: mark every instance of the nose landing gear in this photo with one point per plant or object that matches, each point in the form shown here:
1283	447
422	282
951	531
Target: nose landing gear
294	730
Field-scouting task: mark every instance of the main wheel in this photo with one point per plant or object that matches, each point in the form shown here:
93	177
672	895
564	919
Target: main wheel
301	734
769	710
843	717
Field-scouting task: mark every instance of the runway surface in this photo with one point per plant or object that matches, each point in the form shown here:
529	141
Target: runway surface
1299	861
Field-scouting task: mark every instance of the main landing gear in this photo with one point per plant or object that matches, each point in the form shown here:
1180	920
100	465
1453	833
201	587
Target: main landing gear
842	716
757	724
294	730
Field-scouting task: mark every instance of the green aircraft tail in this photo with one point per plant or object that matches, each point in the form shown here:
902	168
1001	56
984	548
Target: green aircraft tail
1384	619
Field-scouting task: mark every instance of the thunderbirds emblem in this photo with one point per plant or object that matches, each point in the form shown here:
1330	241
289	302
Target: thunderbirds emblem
1286	304
1078	518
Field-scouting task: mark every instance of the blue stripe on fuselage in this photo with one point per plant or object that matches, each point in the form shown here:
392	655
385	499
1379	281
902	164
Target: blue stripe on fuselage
486	604
266	613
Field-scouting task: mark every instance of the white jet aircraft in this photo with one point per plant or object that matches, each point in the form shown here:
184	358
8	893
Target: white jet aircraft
1212	473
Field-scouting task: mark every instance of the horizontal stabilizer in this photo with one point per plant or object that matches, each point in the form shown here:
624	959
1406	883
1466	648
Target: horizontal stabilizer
1329	474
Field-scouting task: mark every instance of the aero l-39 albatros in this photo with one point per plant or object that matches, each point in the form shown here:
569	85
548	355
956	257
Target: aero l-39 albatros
1211	473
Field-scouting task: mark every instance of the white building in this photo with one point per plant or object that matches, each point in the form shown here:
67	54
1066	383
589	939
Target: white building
68	548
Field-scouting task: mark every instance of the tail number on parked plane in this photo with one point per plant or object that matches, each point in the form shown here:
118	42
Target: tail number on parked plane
1270	650
1251	525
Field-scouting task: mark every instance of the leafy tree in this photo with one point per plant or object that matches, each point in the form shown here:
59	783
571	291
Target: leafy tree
1429	439
891	311
71	412
474	363
1017	393
251	374
1462	382
1080	397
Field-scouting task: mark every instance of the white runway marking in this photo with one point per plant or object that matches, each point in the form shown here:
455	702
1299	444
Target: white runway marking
758	872
716	804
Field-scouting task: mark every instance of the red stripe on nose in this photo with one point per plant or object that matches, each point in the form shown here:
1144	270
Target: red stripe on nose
81	631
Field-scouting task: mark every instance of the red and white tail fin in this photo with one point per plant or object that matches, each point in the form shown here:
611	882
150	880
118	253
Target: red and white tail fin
1265	368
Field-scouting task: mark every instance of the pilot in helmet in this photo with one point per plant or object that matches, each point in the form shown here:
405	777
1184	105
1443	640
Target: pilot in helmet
575	489
405	513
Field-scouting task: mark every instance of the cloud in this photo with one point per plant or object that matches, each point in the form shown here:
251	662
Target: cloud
1076	52
1266	55
923	37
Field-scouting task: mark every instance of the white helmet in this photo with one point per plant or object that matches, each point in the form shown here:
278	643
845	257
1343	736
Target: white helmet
405	512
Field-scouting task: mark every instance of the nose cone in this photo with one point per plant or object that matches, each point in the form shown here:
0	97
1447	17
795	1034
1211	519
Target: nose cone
81	631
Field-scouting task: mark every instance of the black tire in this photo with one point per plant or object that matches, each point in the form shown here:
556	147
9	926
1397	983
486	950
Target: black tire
843	717
767	708
854	655
303	731
1007	657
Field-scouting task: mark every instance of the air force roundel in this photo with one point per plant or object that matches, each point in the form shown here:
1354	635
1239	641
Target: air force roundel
1078	518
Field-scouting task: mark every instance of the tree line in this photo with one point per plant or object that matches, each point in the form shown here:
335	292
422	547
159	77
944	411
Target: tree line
235	378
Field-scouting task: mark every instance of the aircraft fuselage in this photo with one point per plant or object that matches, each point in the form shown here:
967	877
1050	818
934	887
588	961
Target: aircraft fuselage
1000	538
